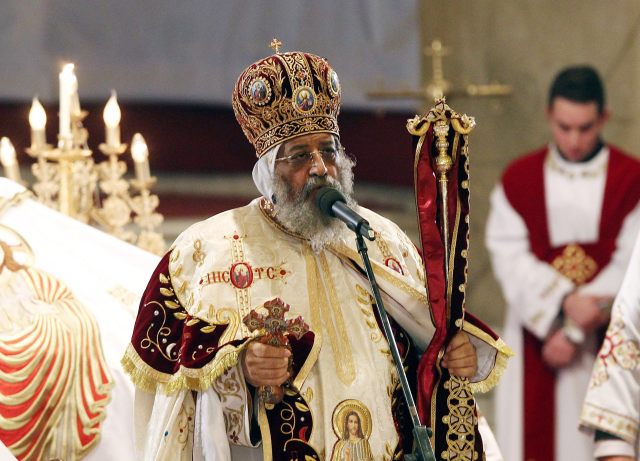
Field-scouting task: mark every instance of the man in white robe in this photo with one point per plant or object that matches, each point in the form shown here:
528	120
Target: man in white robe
562	224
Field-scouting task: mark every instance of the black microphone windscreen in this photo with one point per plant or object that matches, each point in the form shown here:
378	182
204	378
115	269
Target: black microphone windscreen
326	197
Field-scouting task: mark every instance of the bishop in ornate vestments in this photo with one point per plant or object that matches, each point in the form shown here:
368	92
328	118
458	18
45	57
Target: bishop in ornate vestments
191	353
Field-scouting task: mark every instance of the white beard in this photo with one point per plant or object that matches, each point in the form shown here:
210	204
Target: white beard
297	213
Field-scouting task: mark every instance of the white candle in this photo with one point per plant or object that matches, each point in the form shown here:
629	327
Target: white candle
111	116
140	154
8	160
68	87
75	102
38	121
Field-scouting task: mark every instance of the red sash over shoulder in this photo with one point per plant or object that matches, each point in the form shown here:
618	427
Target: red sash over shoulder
523	183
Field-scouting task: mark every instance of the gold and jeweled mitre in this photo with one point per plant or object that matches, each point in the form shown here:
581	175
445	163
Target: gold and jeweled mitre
286	95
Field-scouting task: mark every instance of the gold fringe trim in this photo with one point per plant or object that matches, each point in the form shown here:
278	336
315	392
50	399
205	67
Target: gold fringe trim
503	354
502	358
492	380
150	380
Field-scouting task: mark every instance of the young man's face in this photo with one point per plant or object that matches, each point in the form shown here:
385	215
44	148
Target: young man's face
575	127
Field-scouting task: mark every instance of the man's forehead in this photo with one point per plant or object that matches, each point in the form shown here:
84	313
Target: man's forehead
310	139
573	111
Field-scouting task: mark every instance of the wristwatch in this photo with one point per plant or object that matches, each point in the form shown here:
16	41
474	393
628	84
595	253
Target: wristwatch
573	332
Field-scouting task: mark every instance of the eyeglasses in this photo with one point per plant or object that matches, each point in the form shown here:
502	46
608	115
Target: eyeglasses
301	159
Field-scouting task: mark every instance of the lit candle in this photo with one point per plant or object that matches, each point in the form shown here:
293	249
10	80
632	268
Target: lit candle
8	160
111	116
68	87
75	103
37	120
140	154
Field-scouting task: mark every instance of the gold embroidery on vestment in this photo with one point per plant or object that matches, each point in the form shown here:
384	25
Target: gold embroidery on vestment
460	421
575	264
554	165
366	300
307	395
319	304
185	423
338	332
243	297
198	255
606	420
231	318
231	389
616	350
316	324
265	432
159	340
346	442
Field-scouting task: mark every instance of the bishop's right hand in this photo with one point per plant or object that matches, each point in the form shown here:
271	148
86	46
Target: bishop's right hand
265	365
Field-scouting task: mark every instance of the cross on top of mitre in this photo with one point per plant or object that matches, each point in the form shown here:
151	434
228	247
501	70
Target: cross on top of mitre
275	326
275	45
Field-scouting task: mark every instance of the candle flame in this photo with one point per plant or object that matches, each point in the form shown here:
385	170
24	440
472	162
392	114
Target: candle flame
112	114
37	115
139	149
7	152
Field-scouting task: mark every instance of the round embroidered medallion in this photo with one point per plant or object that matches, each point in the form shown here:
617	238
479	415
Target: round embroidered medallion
241	275
392	263
260	91
304	99
334	83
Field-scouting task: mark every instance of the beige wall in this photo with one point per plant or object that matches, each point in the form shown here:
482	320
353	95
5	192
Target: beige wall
524	43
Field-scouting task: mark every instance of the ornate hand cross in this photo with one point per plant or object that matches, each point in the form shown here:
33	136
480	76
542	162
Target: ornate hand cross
275	329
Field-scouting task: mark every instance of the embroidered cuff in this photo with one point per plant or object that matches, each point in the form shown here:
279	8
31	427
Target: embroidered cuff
492	353
597	418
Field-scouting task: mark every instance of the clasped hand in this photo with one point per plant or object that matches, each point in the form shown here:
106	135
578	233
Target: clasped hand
586	313
585	310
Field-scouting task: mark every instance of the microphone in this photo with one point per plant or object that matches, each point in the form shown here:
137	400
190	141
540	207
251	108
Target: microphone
332	203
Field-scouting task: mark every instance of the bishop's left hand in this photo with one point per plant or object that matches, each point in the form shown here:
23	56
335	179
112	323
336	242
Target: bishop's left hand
460	356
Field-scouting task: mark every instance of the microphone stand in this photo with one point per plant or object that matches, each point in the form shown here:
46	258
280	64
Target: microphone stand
422	450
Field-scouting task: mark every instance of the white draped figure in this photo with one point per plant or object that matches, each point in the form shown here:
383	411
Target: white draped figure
68	297
612	404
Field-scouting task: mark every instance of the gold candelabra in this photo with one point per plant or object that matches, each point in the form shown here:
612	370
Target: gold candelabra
67	178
